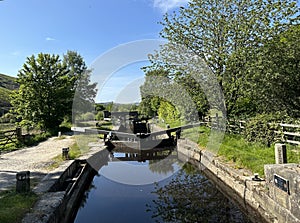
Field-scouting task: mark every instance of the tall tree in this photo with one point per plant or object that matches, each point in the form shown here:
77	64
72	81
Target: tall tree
83	90
278	73
226	34
160	92
44	91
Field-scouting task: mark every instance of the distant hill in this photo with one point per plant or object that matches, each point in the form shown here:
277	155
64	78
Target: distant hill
7	84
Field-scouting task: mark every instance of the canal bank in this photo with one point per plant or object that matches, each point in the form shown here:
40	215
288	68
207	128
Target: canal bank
253	196
62	190
60	200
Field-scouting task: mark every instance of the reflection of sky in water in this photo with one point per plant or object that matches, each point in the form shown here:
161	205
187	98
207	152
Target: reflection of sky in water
122	191
116	202
113	201
135	173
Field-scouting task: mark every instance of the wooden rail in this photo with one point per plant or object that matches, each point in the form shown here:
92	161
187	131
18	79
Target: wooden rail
292	135
9	136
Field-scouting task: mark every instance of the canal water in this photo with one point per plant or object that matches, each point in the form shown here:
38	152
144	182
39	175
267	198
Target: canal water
132	188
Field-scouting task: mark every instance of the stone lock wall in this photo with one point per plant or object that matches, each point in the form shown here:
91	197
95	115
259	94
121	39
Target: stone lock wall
263	200
283	184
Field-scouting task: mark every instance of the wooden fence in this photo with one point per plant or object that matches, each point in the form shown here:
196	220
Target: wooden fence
289	133
9	136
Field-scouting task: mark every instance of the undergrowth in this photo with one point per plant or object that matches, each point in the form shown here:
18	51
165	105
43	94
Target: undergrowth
234	148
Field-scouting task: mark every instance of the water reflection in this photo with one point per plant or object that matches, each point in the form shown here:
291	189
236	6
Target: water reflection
139	187
190	197
153	165
162	167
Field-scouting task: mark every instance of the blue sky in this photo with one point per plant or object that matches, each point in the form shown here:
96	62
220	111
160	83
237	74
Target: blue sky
90	27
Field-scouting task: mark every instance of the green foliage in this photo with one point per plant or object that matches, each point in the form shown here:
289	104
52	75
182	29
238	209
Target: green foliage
277	73
262	127
4	96
47	89
99	107
89	116
99	116
164	96
199	135
83	91
7	85
238	151
35	139
44	93
8	118
168	112
227	36
66	125
145	107
13	206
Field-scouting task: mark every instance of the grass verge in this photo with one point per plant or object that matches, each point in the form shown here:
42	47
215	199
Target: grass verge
235	149
13	206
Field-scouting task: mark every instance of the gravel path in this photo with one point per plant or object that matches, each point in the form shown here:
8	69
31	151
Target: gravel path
36	159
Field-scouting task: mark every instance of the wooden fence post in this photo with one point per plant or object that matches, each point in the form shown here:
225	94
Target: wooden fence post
19	133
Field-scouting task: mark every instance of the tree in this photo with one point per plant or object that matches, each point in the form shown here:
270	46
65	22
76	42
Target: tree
278	73
49	87
168	112
163	96
44	92
226	35
82	89
150	101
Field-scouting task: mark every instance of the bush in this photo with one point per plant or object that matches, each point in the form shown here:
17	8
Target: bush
99	116
35	139
261	128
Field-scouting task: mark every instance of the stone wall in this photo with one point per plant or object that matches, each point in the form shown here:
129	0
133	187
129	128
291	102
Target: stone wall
254	197
283	183
57	203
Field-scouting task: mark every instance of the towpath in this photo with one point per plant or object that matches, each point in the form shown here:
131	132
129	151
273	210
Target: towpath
35	159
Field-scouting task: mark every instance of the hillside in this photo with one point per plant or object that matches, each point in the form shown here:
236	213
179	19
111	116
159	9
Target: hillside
7	84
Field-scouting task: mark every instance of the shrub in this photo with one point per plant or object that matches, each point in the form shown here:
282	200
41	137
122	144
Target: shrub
99	116
262	127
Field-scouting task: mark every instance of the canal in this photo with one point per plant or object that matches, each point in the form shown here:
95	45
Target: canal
154	188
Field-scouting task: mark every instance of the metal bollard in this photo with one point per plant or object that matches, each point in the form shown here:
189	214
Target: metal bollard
23	182
65	153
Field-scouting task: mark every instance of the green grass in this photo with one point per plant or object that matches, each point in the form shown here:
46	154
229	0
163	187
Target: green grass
172	124
235	149
74	153
13	206
104	125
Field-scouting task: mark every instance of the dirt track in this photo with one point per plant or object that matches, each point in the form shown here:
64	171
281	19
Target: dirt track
36	159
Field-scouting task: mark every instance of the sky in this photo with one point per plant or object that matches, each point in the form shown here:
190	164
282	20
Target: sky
93	28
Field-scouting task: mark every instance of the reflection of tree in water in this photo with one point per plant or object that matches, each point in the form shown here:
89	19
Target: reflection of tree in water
192	198
163	166
86	193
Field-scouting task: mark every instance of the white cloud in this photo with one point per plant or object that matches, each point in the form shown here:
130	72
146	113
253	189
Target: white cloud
166	5
50	39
